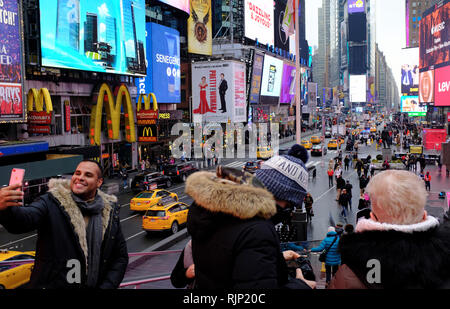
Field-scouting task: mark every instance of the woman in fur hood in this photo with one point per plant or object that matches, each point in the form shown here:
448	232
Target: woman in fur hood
400	246
234	242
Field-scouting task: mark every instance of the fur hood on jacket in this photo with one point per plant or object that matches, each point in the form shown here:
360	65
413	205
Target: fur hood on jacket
60	190
218	195
410	256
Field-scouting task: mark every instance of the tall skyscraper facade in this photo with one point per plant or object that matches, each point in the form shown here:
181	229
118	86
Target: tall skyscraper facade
413	14
68	21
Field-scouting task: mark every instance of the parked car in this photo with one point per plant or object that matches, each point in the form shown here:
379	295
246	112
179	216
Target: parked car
13	276
150	181
252	166
180	171
319	150
147	199
165	217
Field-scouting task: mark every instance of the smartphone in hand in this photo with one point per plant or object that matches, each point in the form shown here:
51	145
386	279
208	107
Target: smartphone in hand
17	175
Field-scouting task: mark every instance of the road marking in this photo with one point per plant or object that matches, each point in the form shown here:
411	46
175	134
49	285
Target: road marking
129	218
140	233
235	164
16	241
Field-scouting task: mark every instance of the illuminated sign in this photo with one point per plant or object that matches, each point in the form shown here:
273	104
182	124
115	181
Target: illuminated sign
113	112
39	120
356	6
148	133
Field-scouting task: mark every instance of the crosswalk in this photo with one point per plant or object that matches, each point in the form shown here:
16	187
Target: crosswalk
235	164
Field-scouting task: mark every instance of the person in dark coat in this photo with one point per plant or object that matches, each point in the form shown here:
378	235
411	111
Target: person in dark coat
363	181
77	226
231	221
340	185
308	207
343	202
405	247
348	186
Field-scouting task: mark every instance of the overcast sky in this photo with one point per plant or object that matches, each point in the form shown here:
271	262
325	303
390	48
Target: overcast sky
390	28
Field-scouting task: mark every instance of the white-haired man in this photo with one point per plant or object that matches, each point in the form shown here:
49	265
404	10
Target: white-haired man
400	246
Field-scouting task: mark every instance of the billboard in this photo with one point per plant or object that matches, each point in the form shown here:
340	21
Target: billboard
281	38
344	44
426	87
200	27
357	27
434	36
410	104
11	78
358	88
442	86
179	4
95	35
312	94
163	64
255	87
356	6
259	21
218	91
410	71
287	94
272	77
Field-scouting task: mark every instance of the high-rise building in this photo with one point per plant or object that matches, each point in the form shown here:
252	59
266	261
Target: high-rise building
90	33
111	33
129	31
68	21
413	14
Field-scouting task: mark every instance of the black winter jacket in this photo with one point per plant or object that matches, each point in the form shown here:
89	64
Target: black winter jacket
61	237
234	245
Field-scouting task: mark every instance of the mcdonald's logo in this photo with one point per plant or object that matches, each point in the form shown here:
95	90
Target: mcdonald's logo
39	120
148	133
147	116
113	109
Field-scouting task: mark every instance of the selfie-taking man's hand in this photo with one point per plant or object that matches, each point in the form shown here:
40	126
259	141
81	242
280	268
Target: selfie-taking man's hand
10	196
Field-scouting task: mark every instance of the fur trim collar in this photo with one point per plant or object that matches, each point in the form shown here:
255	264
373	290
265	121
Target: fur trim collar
224	196
370	225
60	189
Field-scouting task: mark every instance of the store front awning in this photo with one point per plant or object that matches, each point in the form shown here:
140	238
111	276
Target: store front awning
55	164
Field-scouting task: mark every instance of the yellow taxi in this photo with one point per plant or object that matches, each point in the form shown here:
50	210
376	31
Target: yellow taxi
12	276
146	199
373	129
333	144
264	152
315	139
307	144
165	217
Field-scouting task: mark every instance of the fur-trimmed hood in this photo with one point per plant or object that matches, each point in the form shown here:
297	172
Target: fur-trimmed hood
60	190
218	195
410	256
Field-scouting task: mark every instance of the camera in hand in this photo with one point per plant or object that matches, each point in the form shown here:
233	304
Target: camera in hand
305	265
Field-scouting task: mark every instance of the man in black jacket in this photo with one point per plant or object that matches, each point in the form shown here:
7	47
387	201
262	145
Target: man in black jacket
80	243
234	242
223	87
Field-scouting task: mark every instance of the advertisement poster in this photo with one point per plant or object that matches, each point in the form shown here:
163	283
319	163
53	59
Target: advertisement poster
304	86
163	64
344	44
179	4
255	87
434	37
410	104
259	21
272	77
281	37
358	88
218	92
356	6
426	87
442	86
312	93
288	84
200	27
410	71
433	138
11	98
94	35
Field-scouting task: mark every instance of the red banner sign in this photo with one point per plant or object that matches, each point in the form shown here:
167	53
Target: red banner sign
448	117
146	117
39	129
67	115
39	118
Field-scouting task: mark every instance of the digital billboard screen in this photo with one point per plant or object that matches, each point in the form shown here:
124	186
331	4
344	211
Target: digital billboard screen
410	104
259	21
356	6
426	87
281	38
357	27
163	64
179	4
255	87
442	86
358	85
410	71
11	80
94	35
288	84
272	77
434	37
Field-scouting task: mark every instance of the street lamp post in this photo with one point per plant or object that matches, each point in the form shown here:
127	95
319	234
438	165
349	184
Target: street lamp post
297	75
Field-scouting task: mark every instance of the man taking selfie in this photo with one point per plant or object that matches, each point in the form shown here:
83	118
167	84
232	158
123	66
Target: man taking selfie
79	239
